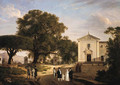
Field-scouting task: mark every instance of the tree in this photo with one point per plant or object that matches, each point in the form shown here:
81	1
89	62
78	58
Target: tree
68	50
112	75
12	44
43	28
114	53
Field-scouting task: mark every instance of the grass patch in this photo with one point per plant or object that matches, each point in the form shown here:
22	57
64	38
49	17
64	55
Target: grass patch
41	68
13	71
43	72
7	72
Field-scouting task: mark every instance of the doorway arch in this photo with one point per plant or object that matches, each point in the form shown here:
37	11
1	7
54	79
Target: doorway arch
88	57
88	54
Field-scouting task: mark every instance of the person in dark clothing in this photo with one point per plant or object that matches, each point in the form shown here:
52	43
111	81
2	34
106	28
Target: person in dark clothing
59	74
35	72
70	74
78	67
28	72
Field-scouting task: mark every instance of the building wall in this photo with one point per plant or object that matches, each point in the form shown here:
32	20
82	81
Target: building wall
103	49
82	49
97	49
1	59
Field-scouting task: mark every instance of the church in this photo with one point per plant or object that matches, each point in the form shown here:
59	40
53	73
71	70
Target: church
91	49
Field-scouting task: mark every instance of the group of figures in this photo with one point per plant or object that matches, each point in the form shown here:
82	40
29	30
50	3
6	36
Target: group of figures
78	67
31	72
68	76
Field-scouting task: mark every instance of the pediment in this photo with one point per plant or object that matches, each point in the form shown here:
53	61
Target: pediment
88	37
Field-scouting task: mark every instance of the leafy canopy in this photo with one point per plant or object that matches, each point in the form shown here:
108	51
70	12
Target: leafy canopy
12	44
16	42
43	28
68	50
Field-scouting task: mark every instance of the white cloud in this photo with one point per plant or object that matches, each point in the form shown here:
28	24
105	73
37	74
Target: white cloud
10	11
104	4
2	21
98	21
8	16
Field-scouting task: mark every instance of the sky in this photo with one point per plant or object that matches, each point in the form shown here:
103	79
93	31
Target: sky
80	16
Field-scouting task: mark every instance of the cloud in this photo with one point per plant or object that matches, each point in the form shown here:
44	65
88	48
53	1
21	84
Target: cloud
75	27
105	4
2	21
98	21
10	11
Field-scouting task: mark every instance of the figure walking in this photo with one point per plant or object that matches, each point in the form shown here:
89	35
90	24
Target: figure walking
63	77
59	74
35	72
70	74
67	75
54	72
28	72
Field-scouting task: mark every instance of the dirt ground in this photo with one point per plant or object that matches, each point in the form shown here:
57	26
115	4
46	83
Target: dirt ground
48	79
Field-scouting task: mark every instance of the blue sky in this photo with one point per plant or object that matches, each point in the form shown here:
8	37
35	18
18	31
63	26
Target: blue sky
80	16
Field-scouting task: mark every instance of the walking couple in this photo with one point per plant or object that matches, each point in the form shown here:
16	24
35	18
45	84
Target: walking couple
68	76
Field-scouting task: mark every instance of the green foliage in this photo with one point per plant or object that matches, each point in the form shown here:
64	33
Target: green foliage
102	76
114	32
68	50
16	42
12	44
113	73
43	28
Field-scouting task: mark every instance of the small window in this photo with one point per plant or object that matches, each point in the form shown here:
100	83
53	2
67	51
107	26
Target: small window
88	45
101	46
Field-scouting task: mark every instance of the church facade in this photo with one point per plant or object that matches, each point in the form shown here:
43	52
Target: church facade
90	49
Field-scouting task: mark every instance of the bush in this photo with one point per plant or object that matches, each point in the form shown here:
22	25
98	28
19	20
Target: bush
107	77
101	76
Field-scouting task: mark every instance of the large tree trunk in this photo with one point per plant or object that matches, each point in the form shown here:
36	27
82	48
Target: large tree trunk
10	58
36	55
11	52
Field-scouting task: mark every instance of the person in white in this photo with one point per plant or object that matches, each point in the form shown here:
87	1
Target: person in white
67	75
54	72
33	73
63	77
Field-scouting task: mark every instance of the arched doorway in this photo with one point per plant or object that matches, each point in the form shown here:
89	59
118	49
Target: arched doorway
102	58
88	57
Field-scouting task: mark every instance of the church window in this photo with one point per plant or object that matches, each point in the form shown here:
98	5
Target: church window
88	45
101	46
